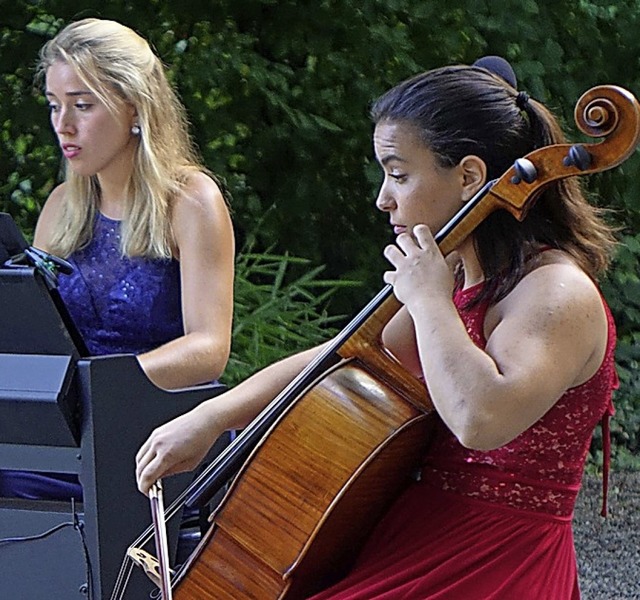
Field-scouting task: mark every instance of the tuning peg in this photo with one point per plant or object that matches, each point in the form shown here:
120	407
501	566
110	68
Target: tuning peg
525	171
578	157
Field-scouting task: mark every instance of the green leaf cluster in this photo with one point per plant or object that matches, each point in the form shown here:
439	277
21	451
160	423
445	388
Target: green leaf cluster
280	308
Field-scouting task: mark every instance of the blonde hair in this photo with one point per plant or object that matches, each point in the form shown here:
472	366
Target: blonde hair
118	66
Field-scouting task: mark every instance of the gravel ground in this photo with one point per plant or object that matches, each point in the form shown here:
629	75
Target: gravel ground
609	549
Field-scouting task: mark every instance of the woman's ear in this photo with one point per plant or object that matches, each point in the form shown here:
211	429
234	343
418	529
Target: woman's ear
132	112
474	176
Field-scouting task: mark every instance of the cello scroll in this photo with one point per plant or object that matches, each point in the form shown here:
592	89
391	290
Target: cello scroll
605	111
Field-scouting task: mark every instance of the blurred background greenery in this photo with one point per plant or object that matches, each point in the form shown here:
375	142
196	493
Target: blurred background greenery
278	93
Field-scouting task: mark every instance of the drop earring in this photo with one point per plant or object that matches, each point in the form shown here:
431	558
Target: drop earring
135	130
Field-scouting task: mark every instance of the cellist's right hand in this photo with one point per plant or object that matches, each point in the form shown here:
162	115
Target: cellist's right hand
177	446
180	445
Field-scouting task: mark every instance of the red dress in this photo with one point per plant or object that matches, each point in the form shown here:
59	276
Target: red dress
490	525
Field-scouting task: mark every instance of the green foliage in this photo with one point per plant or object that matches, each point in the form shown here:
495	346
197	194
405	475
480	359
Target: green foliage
278	93
623	290
280	308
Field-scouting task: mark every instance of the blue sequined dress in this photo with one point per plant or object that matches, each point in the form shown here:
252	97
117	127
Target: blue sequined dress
120	305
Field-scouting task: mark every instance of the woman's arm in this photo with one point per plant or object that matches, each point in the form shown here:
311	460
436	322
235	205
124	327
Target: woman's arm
181	444
203	235
49	216
547	335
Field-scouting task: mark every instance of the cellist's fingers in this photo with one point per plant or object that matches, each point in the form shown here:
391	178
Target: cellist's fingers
452	259
143	451
151	462
154	467
423	236
146	470
146	452
393	254
169	450
389	277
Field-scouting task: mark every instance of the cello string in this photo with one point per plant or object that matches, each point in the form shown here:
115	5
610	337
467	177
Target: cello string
126	568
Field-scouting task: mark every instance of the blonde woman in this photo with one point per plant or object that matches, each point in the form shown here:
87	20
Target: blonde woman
144	225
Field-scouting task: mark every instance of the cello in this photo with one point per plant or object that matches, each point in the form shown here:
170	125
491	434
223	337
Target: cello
329	455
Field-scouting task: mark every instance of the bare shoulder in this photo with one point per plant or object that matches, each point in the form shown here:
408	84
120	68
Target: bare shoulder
555	289
200	210
558	304
557	282
49	217
201	198
200	192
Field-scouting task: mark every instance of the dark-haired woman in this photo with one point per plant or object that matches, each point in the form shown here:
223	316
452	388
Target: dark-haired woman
515	344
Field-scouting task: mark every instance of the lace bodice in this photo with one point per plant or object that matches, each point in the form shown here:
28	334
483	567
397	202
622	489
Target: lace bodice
120	304
541	469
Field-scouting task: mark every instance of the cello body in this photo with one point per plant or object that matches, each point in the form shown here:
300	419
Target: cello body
328	471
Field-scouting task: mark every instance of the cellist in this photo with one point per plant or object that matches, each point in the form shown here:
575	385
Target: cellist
510	333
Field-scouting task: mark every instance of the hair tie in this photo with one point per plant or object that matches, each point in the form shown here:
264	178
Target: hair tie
522	100
498	66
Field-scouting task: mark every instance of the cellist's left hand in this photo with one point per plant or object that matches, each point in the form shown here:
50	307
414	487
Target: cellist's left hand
419	266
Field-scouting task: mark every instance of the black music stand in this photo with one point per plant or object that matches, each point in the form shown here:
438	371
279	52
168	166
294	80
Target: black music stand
12	241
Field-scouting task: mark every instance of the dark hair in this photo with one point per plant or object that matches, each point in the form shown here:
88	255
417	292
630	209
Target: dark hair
459	111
